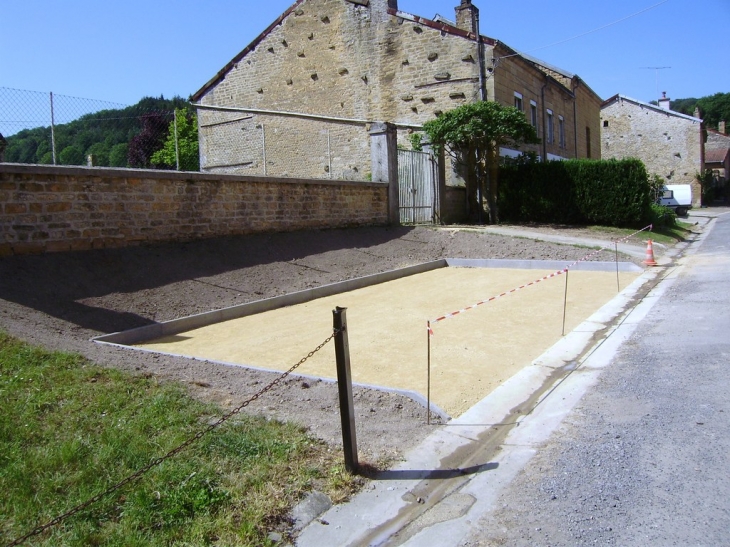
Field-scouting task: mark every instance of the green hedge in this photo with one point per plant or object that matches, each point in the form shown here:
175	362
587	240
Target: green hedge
609	193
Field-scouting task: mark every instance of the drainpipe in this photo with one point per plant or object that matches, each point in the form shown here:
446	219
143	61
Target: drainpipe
575	118
542	107
480	59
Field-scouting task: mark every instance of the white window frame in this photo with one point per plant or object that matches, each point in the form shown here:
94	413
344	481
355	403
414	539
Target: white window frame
561	132
550	126
518	101
533	116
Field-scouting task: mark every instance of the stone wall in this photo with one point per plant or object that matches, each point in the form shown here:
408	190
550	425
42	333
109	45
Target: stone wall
670	144
45	209
333	66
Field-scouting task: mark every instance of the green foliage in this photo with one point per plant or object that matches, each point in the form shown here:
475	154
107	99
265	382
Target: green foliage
661	216
707	186
72	155
107	128
473	134
485	125
609	193
416	141
69	430
118	155
713	108
187	144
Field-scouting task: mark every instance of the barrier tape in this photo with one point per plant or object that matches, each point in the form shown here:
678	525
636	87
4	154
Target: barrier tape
554	274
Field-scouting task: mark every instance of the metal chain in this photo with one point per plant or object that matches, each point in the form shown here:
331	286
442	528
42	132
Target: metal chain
171	453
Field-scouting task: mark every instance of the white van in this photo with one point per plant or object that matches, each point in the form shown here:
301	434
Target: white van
677	197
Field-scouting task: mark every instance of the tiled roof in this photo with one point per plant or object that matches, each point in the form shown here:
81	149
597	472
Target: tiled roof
716	156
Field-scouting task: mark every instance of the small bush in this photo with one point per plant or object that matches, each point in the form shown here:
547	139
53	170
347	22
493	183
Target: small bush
659	215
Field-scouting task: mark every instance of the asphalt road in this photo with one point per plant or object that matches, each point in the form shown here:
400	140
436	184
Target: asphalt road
644	458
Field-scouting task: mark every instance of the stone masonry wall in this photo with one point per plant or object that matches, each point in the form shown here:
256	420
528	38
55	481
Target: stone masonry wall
46	209
335	59
668	144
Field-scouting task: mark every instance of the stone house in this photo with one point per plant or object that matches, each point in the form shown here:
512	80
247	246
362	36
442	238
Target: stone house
671	144
717	156
304	96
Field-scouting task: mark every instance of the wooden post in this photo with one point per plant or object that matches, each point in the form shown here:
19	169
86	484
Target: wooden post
428	374
344	387
618	282
565	299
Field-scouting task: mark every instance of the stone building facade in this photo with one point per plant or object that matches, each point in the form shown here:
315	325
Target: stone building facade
300	99
671	145
717	156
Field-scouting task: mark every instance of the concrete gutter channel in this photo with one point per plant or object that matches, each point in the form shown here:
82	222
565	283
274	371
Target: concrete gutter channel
444	485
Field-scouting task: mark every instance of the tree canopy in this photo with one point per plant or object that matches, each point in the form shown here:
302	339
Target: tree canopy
473	134
124	137
713	108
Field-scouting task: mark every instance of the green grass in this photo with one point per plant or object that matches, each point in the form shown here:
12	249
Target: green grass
70	429
668	235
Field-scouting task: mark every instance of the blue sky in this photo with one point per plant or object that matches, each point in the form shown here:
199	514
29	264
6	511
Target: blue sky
122	51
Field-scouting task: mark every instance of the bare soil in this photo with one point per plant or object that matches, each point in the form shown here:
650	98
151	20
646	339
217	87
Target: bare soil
60	301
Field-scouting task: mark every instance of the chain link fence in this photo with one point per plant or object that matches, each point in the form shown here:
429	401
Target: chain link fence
283	145
52	129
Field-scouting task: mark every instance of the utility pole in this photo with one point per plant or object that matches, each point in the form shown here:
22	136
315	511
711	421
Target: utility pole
656	70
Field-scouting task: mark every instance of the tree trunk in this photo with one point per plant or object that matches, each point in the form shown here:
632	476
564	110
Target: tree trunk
492	169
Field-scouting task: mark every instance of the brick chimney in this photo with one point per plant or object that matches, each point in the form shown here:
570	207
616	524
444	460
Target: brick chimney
467	16
664	101
721	127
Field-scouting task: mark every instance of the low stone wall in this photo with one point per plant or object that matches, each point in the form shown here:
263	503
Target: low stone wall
50	208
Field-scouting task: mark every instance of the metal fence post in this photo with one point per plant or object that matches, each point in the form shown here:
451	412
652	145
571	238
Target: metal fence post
53	131
177	146
344	387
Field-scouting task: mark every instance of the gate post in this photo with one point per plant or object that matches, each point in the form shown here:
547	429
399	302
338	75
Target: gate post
384	158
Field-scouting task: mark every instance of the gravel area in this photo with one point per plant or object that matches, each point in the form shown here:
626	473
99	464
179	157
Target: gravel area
61	300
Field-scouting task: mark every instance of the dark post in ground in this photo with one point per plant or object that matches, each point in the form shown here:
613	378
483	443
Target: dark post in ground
344	387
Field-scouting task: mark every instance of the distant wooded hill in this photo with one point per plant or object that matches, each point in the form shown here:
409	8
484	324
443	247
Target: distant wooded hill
713	108
125	137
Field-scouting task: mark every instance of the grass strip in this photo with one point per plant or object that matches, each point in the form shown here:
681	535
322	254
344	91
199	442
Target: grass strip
70	429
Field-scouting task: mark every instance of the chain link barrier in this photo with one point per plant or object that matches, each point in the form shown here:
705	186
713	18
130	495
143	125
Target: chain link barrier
154	463
52	129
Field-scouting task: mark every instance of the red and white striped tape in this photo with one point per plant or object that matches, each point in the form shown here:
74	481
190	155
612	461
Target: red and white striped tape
506	293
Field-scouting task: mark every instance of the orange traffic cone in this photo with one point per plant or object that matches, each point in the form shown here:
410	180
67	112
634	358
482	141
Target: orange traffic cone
650	255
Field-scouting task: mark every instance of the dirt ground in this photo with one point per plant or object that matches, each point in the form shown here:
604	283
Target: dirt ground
61	300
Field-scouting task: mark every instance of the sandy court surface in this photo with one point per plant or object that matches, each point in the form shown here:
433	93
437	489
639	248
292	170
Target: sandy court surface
471	354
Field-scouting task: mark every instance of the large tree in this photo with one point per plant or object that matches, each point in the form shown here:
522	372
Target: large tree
473	135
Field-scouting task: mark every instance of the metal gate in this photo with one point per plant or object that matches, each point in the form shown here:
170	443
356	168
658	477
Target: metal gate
417	187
